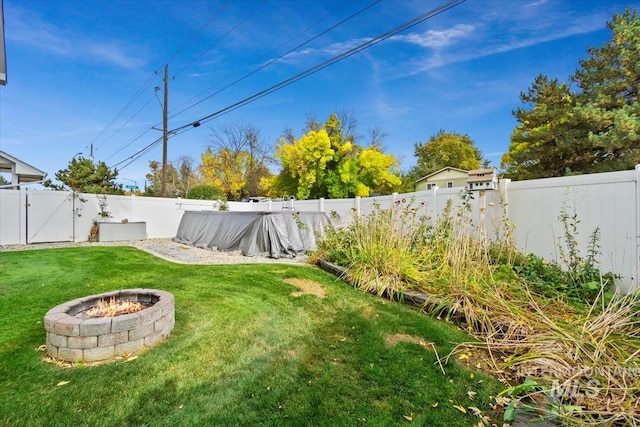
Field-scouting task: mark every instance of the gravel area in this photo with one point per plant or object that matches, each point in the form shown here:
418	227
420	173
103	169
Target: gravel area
169	250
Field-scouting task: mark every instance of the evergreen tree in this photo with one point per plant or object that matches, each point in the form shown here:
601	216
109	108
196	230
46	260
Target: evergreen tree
593	129
84	176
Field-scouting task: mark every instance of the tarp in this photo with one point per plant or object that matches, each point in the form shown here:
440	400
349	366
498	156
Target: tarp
273	234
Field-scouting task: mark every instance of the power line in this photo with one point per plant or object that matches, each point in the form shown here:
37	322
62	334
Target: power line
138	154
144	150
124	124
234	28
190	40
325	64
135	96
278	58
147	82
409	24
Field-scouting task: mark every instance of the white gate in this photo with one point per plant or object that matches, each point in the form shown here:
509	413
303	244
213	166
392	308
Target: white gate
49	217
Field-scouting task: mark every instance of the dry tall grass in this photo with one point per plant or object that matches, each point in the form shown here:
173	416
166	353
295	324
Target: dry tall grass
577	366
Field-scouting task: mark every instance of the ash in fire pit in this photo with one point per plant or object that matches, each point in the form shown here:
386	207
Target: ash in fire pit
101	327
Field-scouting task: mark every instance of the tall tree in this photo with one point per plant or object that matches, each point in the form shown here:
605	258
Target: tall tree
236	161
84	176
610	83
549	140
180	174
593	129
446	149
326	162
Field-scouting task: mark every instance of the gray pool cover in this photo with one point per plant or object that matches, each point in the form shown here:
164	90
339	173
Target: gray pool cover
273	234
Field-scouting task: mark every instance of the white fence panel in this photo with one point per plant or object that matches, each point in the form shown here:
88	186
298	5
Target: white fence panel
161	215
10	217
607	202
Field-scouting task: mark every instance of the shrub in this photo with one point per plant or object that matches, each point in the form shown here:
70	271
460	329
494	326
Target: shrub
205	192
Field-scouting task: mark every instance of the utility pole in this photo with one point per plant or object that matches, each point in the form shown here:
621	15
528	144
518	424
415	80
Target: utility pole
165	131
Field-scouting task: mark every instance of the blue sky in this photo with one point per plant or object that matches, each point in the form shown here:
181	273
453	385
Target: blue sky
83	72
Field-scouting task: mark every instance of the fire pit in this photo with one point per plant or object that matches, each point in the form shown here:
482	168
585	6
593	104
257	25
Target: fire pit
102	327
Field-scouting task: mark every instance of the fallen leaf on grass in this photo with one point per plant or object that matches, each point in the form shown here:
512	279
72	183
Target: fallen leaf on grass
434	405
477	412
460	408
408	417
62	383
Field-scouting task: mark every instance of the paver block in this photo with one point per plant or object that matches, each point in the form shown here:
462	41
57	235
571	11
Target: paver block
50	320
83	342
150	315
93	327
69	326
152	340
129	347
52	351
141	332
70	354
57	340
114	338
125	322
99	353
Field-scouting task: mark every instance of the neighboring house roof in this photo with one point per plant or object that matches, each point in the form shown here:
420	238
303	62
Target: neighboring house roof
20	171
448	168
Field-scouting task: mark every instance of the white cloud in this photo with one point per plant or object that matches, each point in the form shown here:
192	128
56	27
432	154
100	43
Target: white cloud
427	39
328	51
436	38
36	33
494	41
536	3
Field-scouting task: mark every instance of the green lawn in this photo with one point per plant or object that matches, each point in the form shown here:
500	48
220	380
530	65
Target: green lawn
244	350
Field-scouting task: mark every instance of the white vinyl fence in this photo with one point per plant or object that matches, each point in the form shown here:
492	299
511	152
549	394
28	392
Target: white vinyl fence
606	202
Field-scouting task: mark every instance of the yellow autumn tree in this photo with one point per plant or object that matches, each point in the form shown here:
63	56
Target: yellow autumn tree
326	162
224	170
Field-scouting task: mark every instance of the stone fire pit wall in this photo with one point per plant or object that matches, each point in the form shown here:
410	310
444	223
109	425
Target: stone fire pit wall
73	338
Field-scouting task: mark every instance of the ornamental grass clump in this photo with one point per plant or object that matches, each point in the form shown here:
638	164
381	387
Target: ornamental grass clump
577	368
561	349
378	250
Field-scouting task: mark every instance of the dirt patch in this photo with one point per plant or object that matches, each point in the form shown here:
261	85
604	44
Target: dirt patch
393	339
307	287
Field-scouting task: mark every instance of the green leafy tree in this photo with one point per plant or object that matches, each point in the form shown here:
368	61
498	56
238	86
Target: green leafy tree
446	149
326	162
84	176
593	129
